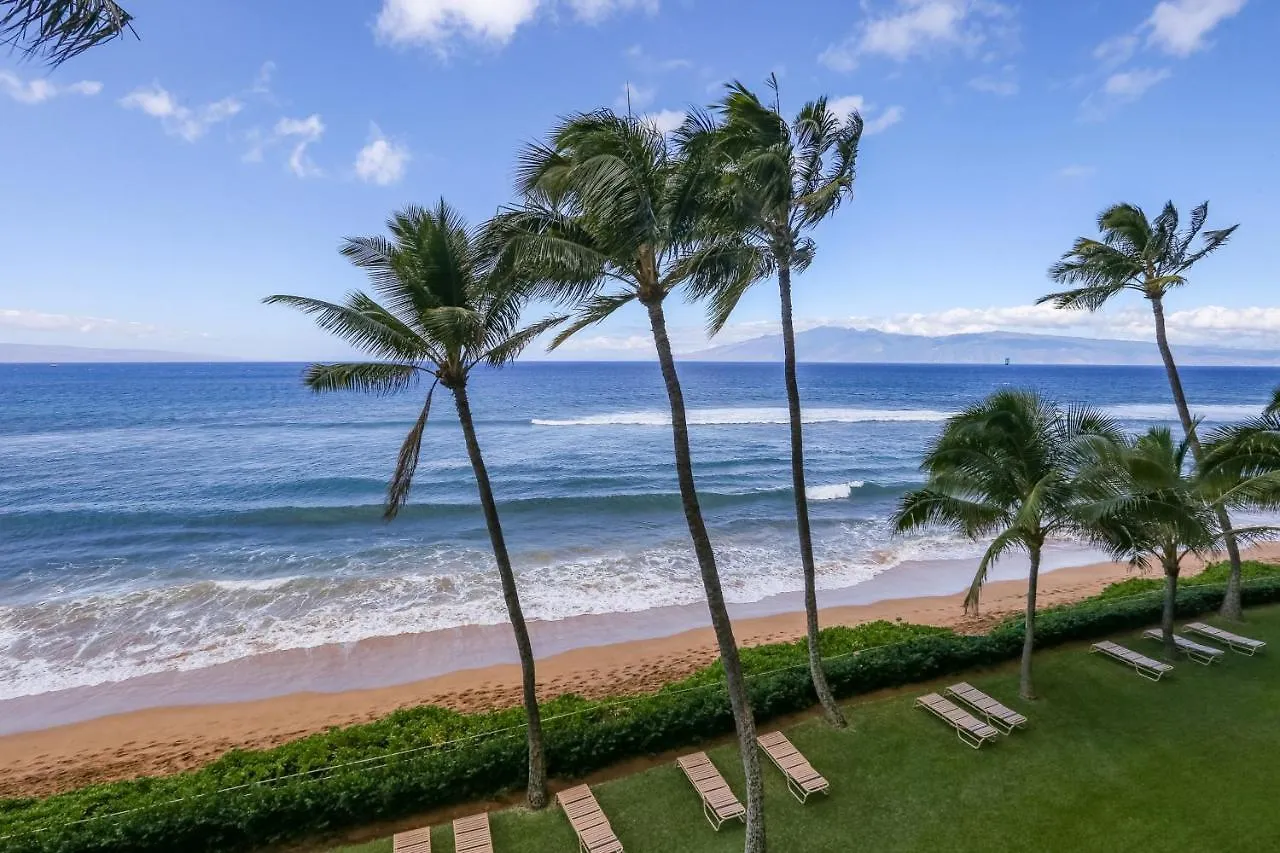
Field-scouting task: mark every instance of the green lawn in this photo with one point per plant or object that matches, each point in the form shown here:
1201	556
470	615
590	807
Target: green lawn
1110	762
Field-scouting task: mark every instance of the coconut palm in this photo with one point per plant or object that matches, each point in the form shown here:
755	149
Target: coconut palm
1150	257
1245	459
1273	407
1160	512
445	310
610	218
57	30
1012	467
779	180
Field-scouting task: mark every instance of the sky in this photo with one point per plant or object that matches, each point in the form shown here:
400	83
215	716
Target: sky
152	191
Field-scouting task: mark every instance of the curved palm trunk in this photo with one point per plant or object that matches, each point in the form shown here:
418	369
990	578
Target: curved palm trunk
737	686
537	757
829	707
1029	639
1231	608
1170	610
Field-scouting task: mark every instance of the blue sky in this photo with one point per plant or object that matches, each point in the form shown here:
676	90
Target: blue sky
153	191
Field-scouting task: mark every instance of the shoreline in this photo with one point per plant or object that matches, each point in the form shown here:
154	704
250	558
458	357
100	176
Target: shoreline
194	728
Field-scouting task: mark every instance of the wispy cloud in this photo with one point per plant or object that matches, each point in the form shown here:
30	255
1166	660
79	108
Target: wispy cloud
1123	87
300	133
1076	170
1181	27
381	161
1004	83
914	28
176	119
39	321
440	23
874	119
37	90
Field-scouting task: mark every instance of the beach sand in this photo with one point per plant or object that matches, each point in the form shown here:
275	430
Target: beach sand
200	724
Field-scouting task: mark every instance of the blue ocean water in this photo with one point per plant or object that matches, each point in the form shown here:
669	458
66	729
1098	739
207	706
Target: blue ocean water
175	516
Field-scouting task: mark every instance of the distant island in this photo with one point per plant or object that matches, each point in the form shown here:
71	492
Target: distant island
55	354
834	344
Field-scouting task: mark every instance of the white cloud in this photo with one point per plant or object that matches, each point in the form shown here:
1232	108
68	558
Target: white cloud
178	120
1179	27
381	161
884	121
436	23
1077	170
1004	84
919	27
301	132
1121	88
38	90
262	82
666	120
651	64
873	121
1116	51
1131	85
16	318
634	98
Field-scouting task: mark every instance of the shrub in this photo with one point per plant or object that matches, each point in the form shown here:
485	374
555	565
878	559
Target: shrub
1214	573
430	757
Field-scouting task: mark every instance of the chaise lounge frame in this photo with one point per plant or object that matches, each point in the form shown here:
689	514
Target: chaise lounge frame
1201	654
802	779
588	820
1235	642
971	731
1003	718
1149	668
471	834
719	803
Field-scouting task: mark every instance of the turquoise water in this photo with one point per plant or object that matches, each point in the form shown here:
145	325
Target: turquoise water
175	516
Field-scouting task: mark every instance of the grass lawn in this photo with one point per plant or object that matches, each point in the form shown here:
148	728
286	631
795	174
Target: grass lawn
1110	762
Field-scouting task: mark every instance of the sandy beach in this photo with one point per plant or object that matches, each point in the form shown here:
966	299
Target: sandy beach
169	737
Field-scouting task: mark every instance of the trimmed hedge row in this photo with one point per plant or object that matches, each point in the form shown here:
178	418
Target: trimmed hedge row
1213	574
186	812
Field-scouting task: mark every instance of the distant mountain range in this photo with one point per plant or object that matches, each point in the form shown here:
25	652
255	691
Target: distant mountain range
834	344
44	354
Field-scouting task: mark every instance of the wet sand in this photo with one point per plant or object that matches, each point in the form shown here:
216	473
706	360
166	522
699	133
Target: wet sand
175	721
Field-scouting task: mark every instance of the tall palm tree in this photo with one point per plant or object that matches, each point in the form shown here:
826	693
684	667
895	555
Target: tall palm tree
610	217
780	179
1273	407
1158	513
1150	257
57	30
447	309
1012	467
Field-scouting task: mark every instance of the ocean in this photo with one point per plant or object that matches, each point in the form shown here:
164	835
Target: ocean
172	517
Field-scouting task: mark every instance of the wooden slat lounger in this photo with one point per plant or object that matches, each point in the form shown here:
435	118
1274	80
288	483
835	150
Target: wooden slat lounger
1197	652
1237	643
471	834
971	731
802	779
718	801
1004	719
595	835
1148	668
413	841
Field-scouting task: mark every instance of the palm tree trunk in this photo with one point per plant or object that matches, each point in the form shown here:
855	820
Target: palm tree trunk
1029	639
537	756
829	707
1170	610
737	686
1231	608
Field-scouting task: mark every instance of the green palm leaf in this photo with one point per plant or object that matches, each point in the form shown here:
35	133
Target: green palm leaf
58	30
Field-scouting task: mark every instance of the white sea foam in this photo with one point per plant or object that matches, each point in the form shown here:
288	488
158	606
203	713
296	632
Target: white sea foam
1167	412
833	492
753	415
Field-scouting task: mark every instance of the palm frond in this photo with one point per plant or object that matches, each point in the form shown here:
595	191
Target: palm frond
407	461
374	377
1002	544
594	310
58	30
510	347
362	323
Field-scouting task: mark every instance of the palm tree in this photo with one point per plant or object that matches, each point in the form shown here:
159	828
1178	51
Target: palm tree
447	310
58	30
610	217
780	180
1150	257
1159	511
1011	467
1273	407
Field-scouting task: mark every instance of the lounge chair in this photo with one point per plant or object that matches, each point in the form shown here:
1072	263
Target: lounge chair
971	731
1148	668
471	834
413	841
1237	643
1197	652
595	835
718	801
1004	719
802	779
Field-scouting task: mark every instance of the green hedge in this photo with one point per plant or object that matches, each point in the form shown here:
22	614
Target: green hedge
582	736
1213	574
